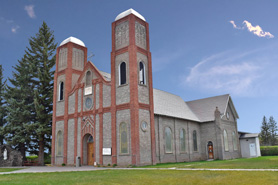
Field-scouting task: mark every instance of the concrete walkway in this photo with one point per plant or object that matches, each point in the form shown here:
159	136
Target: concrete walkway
43	169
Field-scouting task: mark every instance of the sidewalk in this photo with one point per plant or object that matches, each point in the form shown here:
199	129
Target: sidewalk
43	169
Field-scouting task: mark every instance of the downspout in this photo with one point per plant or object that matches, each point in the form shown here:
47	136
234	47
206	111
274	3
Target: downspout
175	139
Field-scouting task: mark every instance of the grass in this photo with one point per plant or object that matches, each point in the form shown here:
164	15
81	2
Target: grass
142	177
9	169
266	162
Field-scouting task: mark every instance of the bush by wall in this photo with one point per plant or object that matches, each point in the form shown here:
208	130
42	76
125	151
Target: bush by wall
269	150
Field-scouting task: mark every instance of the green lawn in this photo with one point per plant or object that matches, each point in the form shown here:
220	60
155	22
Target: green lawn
142	177
9	169
266	162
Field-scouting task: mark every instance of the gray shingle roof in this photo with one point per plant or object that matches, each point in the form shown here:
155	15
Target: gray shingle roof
171	105
204	108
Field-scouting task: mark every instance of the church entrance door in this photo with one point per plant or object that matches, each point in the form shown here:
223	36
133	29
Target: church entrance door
90	149
210	150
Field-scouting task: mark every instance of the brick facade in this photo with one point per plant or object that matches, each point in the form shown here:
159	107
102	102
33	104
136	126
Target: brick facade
98	107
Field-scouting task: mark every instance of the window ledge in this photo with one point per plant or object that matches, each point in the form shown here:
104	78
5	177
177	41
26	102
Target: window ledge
122	85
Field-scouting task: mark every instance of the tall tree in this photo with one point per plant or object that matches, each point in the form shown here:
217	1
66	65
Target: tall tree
20	107
272	130
42	54
265	134
2	106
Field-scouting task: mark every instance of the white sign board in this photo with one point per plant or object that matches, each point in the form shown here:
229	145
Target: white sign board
252	148
106	151
88	90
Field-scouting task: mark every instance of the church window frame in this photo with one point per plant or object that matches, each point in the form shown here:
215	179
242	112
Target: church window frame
234	141
88	80
182	137
60	143
168	140
122	73
123	131
195	141
226	141
142	73
61	91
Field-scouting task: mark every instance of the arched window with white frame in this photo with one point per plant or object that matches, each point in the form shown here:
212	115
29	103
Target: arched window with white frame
226	142
182	140
88	78
59	140
123	138
122	73
142	73
235	141
168	140
195	142
61	91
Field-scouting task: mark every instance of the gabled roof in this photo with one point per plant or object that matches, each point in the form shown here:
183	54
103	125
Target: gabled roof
204	108
172	105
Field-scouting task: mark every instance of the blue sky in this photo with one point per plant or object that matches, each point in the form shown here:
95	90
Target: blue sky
199	48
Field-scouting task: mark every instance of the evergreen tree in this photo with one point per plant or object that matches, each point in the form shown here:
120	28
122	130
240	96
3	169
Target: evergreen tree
42	54
265	134
20	107
2	106
272	130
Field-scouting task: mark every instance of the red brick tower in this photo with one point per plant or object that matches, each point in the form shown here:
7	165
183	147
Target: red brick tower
132	89
71	58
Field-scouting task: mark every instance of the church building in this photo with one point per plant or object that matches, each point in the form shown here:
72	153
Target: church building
119	118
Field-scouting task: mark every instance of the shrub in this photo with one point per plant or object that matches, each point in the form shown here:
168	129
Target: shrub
114	165
109	164
63	164
269	150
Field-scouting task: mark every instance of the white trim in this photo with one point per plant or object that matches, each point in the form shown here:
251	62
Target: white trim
127	12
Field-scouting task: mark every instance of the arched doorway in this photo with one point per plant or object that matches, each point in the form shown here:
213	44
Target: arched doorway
210	150
88	150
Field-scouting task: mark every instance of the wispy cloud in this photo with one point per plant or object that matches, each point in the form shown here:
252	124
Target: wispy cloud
256	30
15	28
30	11
234	25
10	23
237	73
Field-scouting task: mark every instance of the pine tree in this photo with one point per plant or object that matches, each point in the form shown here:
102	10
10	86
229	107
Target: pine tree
272	130
20	107
2	106
265	134
42	53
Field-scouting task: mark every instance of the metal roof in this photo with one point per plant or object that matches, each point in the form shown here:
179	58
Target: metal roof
172	105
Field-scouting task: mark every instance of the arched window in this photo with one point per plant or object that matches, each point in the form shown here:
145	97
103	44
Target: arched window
88	78
59	143
142	76
122	73
168	140
226	143
182	140
234	141
195	146
61	91
123	138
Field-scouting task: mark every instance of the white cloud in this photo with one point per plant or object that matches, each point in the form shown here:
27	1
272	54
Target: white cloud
234	25
15	28
256	30
30	11
237	73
